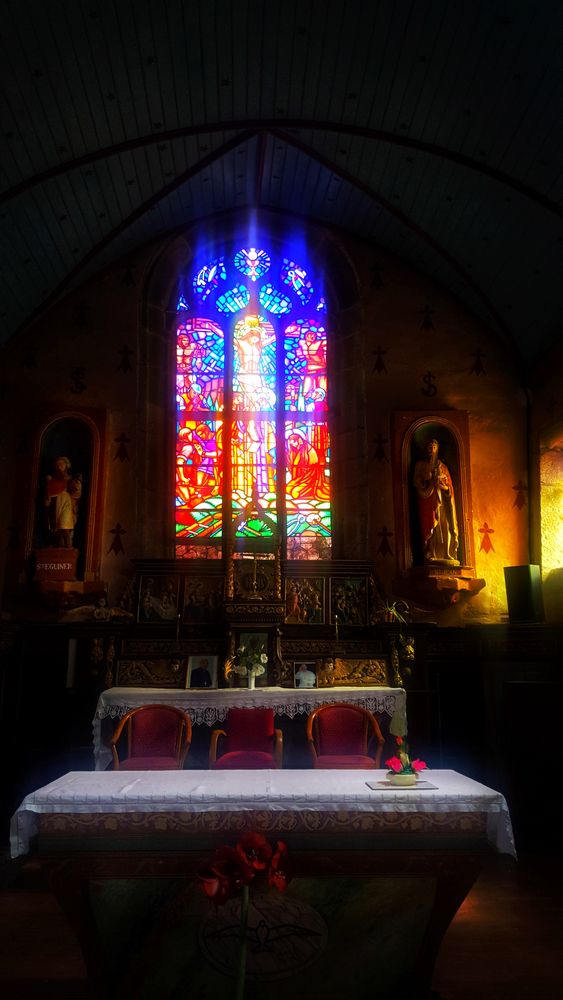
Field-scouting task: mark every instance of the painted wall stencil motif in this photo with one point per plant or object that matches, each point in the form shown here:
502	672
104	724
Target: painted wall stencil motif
486	540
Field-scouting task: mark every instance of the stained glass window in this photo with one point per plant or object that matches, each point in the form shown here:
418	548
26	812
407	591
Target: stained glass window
252	441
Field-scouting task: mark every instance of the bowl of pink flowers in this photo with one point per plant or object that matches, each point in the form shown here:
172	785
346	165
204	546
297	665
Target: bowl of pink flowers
403	770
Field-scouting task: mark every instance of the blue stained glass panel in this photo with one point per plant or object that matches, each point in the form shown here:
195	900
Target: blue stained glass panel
235	299
274	301
182	304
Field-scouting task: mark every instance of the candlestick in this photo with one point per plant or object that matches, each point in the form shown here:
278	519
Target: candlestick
336	627
254	573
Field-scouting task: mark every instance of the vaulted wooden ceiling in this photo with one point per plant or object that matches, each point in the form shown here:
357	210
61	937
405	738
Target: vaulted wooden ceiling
429	128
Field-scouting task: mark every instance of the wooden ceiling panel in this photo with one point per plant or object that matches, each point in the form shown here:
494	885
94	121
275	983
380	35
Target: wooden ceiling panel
433	130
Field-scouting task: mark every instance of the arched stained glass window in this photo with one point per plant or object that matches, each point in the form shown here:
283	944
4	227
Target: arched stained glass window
252	440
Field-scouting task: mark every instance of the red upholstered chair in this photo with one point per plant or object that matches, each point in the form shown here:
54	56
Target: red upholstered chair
158	738
340	736
248	742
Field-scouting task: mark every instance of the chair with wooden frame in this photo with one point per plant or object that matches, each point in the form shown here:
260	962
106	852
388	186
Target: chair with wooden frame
248	742
158	738
340	736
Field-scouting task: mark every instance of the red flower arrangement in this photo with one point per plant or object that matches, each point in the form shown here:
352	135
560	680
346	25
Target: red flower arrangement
233	870
401	763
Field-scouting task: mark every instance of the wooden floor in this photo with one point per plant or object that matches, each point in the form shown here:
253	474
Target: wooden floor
504	944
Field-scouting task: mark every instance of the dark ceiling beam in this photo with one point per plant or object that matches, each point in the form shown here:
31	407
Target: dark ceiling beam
168	189
260	125
404	219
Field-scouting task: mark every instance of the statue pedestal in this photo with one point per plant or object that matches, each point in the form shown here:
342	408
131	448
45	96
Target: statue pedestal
55	564
438	585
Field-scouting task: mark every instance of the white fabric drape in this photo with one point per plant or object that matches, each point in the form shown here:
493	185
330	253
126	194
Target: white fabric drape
270	791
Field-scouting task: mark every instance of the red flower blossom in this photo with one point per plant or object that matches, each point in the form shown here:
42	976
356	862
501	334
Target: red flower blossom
279	875
418	765
231	861
217	883
394	763
399	741
233	869
254	851
225	876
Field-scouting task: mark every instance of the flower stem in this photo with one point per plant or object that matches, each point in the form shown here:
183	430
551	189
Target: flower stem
241	973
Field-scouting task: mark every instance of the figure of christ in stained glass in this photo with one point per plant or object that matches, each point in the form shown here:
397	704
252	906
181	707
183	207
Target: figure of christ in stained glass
253	456
199	478
200	365
307	482
251	397
305	365
254	362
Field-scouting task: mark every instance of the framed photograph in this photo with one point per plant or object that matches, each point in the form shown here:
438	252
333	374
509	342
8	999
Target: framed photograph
305	674
202	671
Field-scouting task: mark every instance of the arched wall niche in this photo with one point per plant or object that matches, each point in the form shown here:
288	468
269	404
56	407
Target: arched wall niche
76	436
163	285
442	579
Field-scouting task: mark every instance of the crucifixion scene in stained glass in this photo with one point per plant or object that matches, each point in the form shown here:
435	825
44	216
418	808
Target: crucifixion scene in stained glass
251	405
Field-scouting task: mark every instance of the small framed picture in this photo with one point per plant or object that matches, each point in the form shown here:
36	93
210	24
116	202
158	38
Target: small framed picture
305	674
202	672
158	599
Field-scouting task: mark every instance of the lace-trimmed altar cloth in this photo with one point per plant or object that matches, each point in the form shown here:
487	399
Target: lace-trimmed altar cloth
211	707
234	792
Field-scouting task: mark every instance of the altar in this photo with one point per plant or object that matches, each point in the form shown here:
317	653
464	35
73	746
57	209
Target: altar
209	708
378	874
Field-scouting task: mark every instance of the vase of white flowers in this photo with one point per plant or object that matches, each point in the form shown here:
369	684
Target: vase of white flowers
250	662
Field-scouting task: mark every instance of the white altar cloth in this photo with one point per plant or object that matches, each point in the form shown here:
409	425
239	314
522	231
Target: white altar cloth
269	791
211	707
